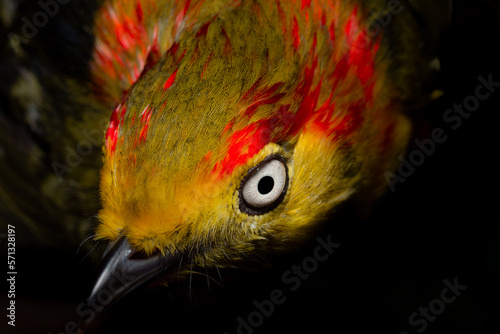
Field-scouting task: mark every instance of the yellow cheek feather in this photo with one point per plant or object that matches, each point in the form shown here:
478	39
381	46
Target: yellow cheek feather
319	182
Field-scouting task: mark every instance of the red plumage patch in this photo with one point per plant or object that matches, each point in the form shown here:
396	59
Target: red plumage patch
305	3
358	60
114	127
295	32
243	145
170	81
145	118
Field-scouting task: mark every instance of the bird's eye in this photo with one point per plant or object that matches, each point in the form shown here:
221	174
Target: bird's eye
264	186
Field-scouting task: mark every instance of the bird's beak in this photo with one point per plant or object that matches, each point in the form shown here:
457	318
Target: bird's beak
122	271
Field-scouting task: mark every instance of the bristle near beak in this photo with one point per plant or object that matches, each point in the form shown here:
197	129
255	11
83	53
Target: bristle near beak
122	272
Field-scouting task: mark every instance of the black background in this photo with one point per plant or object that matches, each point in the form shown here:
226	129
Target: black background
441	223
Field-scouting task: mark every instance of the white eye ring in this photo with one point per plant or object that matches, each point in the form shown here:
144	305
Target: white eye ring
265	184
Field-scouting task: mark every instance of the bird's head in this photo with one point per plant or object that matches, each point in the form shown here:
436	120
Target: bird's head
244	135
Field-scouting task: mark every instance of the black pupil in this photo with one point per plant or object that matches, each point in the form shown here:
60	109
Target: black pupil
265	185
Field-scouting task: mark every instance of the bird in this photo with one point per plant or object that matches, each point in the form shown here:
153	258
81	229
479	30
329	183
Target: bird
197	133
